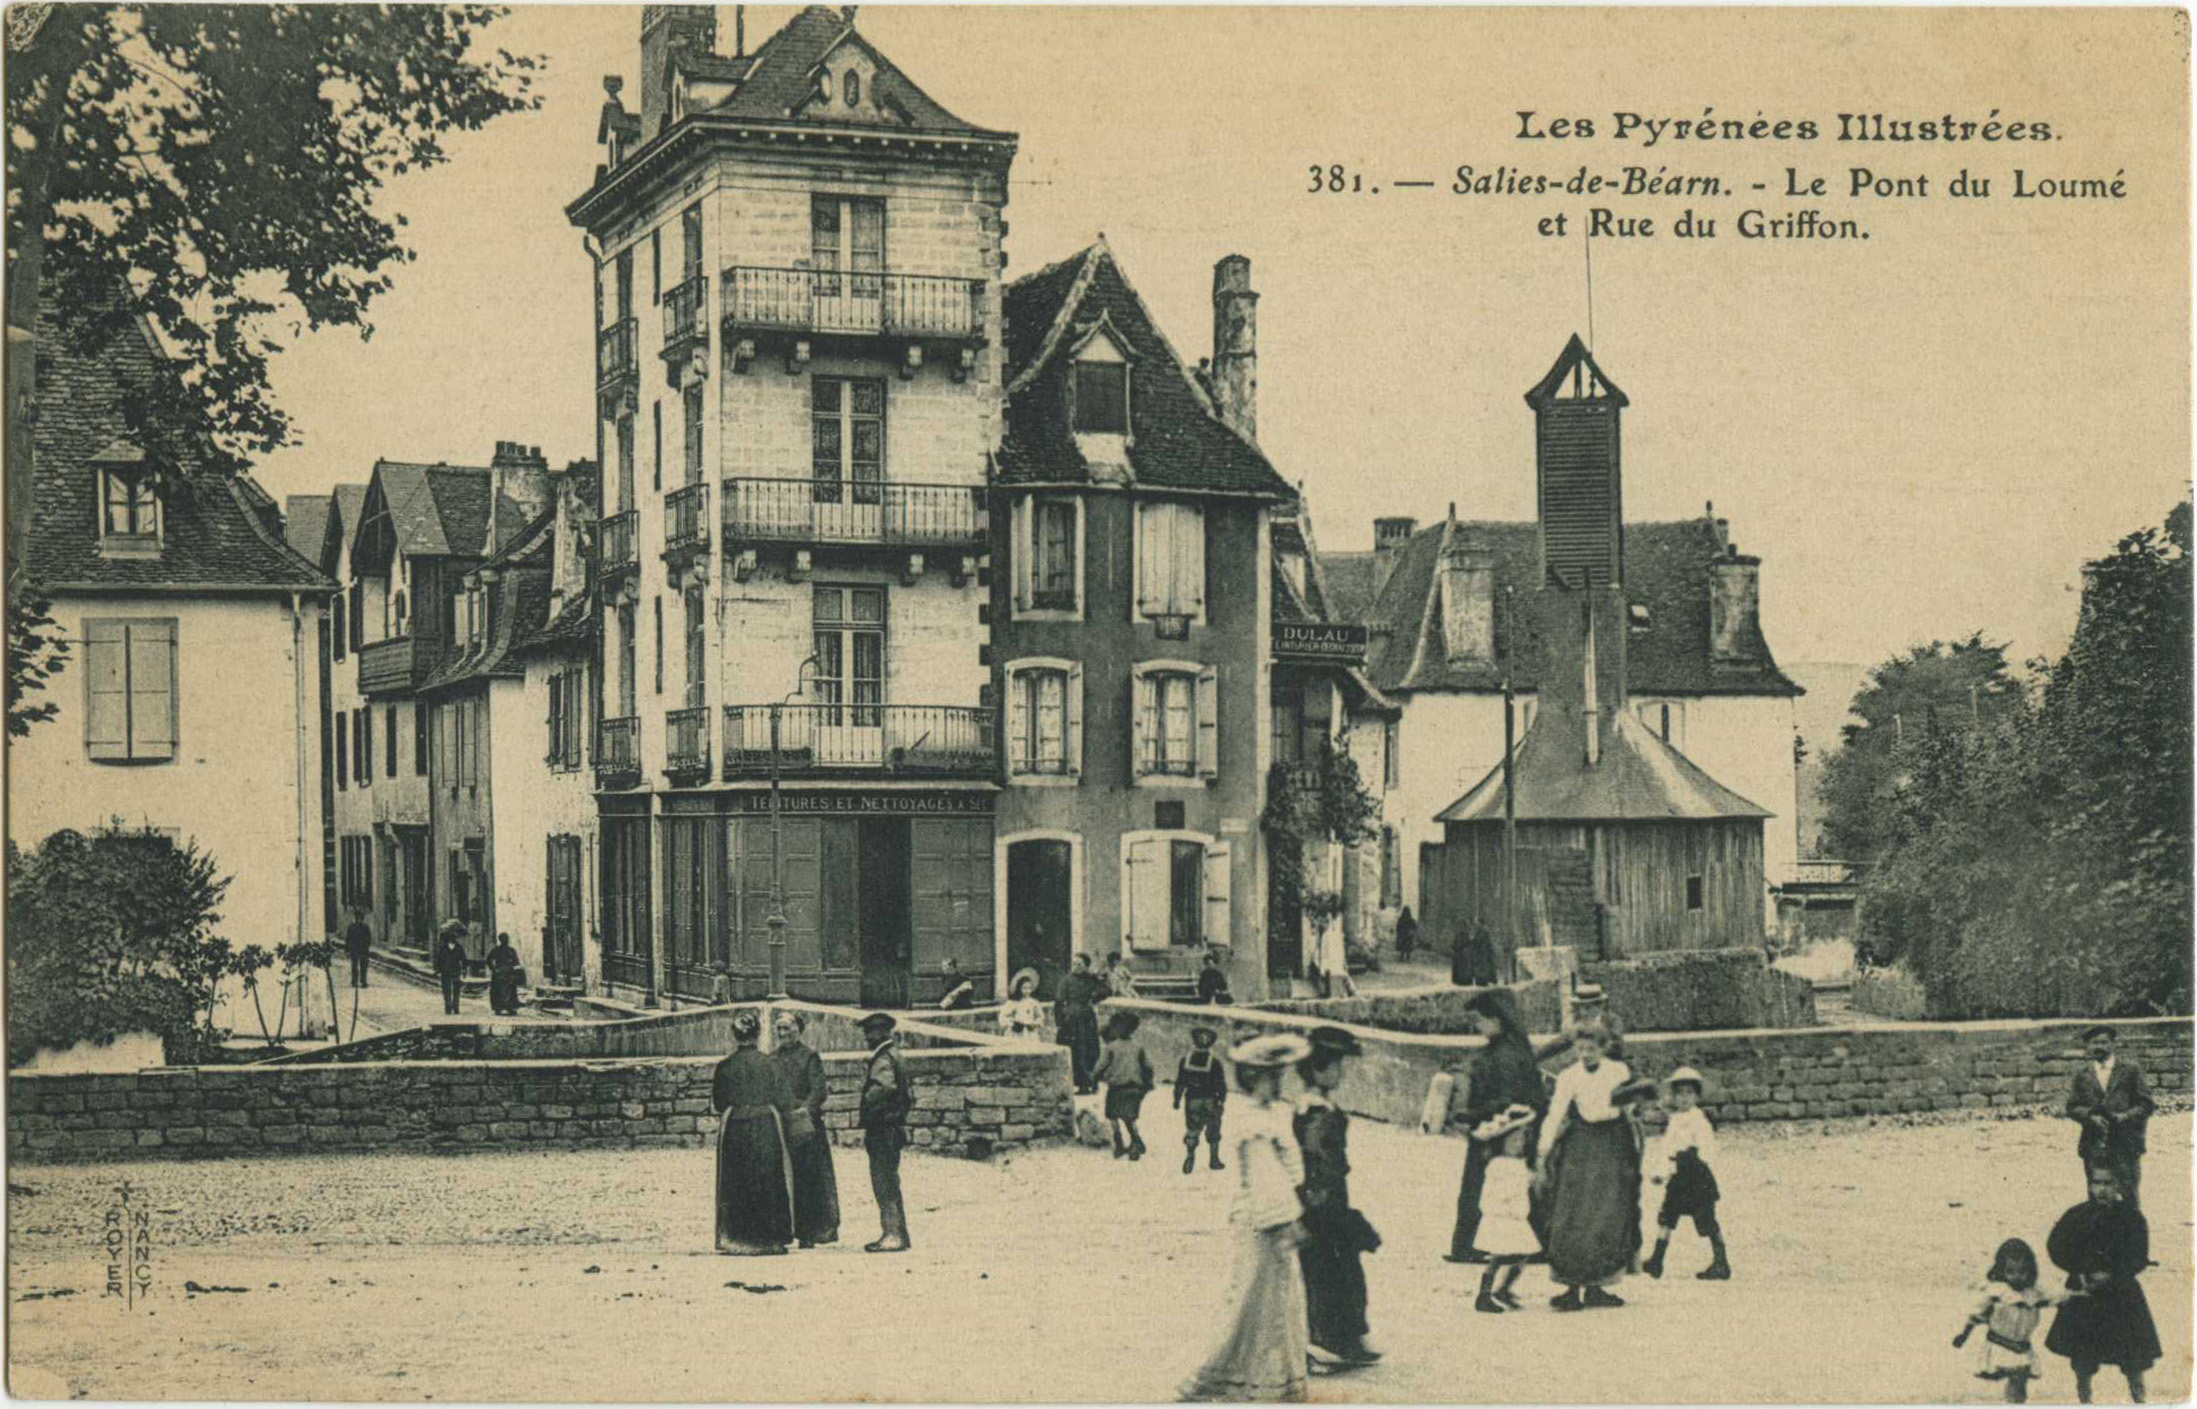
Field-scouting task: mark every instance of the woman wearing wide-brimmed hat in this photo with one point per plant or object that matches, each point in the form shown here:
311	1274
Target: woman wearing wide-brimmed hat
754	1168
1263	1348
1022	1015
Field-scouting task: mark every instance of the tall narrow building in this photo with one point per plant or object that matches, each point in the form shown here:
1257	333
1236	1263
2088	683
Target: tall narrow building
799	363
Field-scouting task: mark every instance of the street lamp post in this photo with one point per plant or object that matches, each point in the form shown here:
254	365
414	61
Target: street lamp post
775	921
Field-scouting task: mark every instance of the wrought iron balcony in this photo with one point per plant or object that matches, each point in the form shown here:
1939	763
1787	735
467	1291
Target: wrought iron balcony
686	744
862	512
685	317
616	550
390	666
852	304
686	520
618	753
932	741
617	365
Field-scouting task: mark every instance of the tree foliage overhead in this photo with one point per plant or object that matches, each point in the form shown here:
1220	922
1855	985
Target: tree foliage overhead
36	652
1946	684
2040	864
221	164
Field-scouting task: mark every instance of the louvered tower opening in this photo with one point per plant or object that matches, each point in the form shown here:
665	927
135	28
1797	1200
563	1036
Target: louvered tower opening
1576	461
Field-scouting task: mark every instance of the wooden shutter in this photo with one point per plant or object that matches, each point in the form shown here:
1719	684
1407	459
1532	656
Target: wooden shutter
1018	722
1152	558
152	688
1022	547
106	692
1219	874
1072	740
1143	722
1144	893
1209	720
1189	561
556	719
479	740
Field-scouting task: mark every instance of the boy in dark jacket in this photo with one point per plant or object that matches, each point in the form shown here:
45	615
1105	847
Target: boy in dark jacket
1201	1093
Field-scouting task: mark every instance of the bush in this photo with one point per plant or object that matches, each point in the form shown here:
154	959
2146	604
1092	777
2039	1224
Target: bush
1889	993
1695	990
111	933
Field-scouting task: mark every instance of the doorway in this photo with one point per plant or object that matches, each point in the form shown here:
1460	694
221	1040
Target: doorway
882	845
1040	920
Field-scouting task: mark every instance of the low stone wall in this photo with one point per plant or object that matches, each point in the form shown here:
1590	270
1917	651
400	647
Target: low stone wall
1438	1009
1698	990
1810	1073
971	1101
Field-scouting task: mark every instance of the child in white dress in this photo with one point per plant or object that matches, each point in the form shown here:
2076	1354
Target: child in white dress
2007	1311
1506	1228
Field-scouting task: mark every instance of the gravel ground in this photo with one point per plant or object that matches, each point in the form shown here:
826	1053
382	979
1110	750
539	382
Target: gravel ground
1058	1275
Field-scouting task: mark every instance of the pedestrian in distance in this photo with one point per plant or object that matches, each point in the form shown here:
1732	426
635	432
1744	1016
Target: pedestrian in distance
1337	1235
1590	1173
886	1098
1686	1157
2112	1102
1201	1094
450	963
2103	1244
1212	983
959	991
1075	1021
1506	1235
815	1182
1127	1072
720	985
1121	982
754	1171
358	943
1261	1353
1407	934
504	978
2008	1307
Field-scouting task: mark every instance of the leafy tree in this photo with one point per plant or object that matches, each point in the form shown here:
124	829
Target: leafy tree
36	653
1957	684
215	167
110	933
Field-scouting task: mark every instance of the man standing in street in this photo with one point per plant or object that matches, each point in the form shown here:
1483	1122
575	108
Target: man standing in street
2111	1100
450	963
358	941
884	1115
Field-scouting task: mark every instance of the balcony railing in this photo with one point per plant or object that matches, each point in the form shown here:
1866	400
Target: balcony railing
856	303
618	752
685	323
686	519
884	514
616	551
929	740
686	742
385	666
616	354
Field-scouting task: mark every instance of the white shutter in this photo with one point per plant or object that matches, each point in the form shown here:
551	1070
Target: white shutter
1218	877
1144	894
106	691
1209	720
1151	526
1189	548
1022	545
1018	717
152	690
1143	723
1073	742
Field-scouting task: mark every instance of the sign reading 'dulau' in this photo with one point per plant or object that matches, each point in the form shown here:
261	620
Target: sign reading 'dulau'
1320	641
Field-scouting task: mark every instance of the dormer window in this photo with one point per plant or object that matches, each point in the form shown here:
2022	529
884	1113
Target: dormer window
853	88
129	513
1102	398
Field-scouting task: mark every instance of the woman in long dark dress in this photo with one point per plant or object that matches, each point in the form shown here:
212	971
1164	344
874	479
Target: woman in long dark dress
1075	1022
2102	1246
1504	1073
754	1173
504	974
815	1183
1590	1172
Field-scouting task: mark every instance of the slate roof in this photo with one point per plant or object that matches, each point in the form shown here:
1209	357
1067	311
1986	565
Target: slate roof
780	77
1176	441
305	524
522	585
442	510
572	626
350	506
1669	569
218	533
1639	778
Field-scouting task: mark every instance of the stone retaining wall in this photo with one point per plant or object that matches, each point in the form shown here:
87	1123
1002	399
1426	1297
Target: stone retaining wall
1434	1009
1702	990
972	1102
1811	1073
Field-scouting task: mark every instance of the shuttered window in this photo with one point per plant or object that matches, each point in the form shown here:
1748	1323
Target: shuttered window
130	690
1175	720
1176	891
1170	560
1045	718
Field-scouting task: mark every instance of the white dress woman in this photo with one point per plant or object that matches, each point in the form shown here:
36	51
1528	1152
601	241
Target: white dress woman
1022	1015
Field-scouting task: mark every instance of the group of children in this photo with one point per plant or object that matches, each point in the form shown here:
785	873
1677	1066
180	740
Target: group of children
1201	1091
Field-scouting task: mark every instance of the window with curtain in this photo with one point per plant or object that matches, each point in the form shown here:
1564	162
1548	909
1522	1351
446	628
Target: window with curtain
847	421
850	653
847	237
133	506
1039	718
1174	724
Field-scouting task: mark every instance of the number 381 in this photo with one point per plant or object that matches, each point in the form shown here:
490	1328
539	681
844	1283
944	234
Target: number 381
1334	178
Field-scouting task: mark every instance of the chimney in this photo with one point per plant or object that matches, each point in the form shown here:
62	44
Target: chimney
1735	608
1389	537
667	30
1236	346
574	489
1468	602
520	474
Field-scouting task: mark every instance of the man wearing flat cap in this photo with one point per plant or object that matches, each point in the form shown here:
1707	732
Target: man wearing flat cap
886	1097
1336	1235
2109	1098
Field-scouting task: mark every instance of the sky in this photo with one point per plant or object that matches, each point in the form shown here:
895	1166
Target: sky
1922	434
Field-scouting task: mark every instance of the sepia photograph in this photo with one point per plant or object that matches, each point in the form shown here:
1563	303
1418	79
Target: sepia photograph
1098	704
